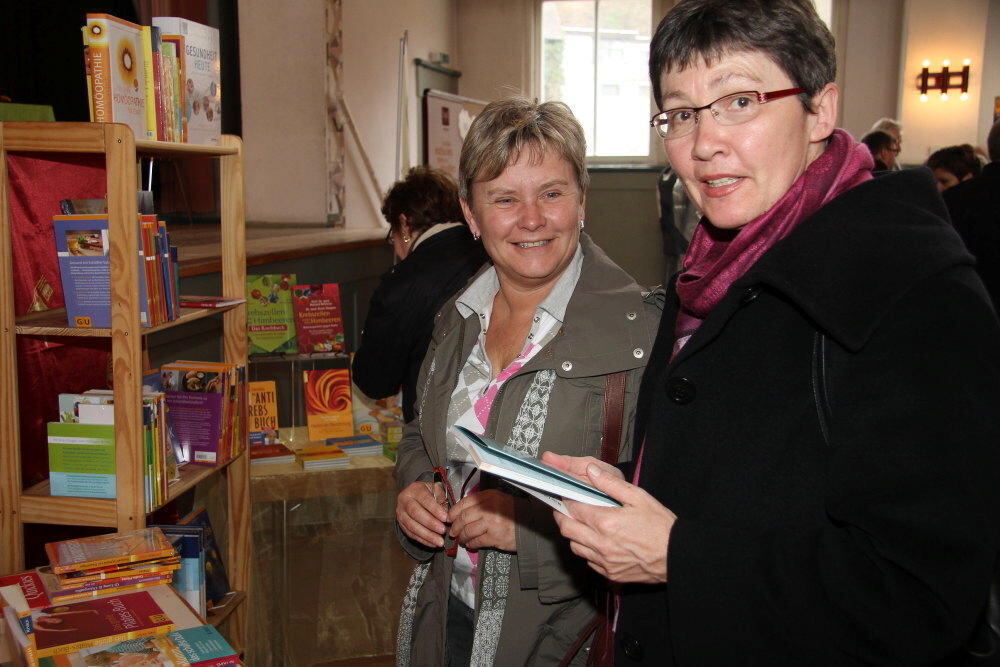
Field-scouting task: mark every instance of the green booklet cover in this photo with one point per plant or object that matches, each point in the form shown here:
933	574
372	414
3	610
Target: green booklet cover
82	460
270	318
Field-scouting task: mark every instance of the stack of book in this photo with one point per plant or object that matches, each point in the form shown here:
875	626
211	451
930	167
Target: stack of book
82	250
163	80
357	445
322	457
81	447
268	454
148	626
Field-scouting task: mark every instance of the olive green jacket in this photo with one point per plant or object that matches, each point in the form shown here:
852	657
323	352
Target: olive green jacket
609	326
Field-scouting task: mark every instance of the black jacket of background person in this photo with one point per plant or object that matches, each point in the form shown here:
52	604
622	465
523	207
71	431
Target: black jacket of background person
975	211
401	314
877	548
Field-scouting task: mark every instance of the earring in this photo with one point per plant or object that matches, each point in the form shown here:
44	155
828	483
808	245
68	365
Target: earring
406	239
475	236
581	224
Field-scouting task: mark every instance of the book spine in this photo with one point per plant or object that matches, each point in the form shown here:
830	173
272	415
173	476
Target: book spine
104	562
112	639
157	92
89	74
99	61
148	80
115	590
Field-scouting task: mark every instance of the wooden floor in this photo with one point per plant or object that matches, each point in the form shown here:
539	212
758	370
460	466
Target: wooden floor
375	661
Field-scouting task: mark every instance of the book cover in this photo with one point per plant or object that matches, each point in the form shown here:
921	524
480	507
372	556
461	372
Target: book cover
81	459
201	646
270	319
271	454
113	549
82	249
370	412
32	587
262	410
529	473
327	401
116	72
68	627
216	580
168	89
189	579
202	83
178	116
319	323
149	82
196	410
199	301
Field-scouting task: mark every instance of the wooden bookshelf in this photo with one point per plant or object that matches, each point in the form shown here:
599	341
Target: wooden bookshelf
36	504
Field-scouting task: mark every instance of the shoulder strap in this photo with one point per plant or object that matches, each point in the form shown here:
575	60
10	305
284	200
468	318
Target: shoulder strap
614	409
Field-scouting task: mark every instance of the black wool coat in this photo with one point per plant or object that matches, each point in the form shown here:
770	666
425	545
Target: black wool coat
874	545
401	314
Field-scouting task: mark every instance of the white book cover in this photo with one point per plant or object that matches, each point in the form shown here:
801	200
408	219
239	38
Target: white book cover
528	473
116	72
202	70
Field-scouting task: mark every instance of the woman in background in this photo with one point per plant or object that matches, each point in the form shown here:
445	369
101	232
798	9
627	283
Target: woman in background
437	256
953	164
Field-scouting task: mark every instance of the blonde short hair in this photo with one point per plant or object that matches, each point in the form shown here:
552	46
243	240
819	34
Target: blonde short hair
506	127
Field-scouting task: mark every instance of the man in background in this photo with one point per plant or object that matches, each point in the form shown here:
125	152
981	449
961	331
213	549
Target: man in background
894	129
974	206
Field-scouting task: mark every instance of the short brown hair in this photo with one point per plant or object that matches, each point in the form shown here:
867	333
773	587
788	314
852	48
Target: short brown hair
426	197
789	32
506	127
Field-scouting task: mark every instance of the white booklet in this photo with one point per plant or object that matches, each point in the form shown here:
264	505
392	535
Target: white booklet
540	480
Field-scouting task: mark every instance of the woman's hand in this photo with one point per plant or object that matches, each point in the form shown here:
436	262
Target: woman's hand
484	519
421	513
625	544
577	465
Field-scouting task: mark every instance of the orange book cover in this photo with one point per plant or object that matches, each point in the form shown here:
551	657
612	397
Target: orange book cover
88	553
327	399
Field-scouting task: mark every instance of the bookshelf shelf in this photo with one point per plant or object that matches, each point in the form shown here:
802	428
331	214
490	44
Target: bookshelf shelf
220	612
53	323
36	504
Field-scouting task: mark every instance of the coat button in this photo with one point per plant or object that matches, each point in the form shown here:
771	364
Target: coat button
632	647
567	366
631	315
637	353
680	390
749	294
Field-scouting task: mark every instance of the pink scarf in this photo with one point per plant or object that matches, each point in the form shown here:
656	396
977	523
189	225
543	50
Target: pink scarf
717	258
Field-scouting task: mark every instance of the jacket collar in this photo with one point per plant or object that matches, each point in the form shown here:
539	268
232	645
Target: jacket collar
852	260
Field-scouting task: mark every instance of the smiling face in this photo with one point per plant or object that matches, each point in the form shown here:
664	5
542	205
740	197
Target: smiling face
735	173
528	218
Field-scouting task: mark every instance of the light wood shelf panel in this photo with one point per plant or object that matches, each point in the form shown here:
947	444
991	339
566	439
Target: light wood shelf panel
53	323
39	506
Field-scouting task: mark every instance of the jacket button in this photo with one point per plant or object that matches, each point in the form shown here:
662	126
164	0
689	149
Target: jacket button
567	366
632	647
631	315
680	390
637	353
749	294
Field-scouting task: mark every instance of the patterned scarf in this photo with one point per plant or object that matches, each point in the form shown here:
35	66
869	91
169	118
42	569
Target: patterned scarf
717	258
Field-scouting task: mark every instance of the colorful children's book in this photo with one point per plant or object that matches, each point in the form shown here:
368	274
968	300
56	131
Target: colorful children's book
216	581
115	72
270	319
327	400
113	549
202	83
81	460
319	323
69	627
85	272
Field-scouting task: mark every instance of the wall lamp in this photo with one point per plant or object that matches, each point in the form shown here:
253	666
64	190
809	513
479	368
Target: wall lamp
944	80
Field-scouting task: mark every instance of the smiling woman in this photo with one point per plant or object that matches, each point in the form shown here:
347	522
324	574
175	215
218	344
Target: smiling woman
529	354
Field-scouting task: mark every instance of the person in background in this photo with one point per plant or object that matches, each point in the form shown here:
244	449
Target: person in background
974	206
437	256
542	351
953	164
817	476
893	128
883	148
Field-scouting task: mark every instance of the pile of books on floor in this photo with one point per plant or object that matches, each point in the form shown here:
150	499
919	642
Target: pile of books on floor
138	623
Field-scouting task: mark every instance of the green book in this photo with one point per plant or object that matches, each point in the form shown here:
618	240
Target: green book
82	460
270	317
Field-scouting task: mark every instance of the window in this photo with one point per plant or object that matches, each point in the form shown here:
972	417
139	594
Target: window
594	56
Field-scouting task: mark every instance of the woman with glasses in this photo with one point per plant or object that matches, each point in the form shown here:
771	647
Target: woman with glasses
542	351
437	256
817	469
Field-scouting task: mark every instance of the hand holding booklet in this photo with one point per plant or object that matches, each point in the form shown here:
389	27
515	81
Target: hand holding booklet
529	474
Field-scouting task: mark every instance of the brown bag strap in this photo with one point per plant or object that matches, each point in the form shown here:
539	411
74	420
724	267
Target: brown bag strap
614	410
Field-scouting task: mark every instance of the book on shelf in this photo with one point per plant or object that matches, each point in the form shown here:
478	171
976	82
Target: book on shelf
319	323
262	411
59	592
356	445
189	578
216	579
326	395
168	103
32	588
373	416
324	461
200	301
177	115
200	646
272	453
156	566
149	82
202	82
528	473
270	319
86	554
113	58
81	206
81	460
205	408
